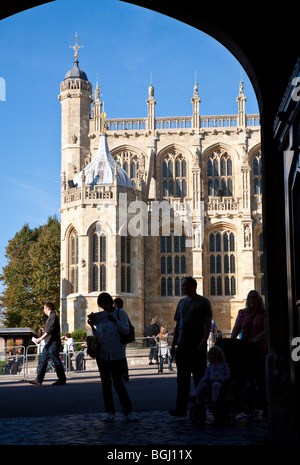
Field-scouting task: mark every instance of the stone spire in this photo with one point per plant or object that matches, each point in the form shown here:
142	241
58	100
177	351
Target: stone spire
196	101
241	99
151	108
97	107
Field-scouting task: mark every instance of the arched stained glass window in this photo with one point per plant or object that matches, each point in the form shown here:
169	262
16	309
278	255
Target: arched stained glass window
257	174
219	175
99	244
129	161
222	263
259	268
73	268
126	264
172	264
174	175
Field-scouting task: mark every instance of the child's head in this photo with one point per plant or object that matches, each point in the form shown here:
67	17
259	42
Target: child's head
163	332
215	354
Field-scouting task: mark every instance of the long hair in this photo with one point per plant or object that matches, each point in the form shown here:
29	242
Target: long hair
260	300
163	332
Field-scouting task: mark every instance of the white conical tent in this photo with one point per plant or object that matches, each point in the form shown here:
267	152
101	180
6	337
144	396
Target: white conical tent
101	169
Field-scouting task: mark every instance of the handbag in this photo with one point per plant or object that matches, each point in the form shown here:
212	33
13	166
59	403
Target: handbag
92	341
92	346
130	337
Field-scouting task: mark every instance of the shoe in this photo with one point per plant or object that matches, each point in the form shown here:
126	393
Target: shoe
177	413
36	383
108	417
131	417
151	363
58	383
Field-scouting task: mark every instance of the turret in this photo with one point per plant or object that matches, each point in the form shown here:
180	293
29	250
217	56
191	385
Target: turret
75	97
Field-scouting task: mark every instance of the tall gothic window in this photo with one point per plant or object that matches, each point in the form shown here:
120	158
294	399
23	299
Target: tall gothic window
129	161
73	278
99	256
257	174
222	263
125	264
260	270
219	175
172	264
174	175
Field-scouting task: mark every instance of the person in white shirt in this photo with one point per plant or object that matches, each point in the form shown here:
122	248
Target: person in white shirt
110	358
69	345
69	349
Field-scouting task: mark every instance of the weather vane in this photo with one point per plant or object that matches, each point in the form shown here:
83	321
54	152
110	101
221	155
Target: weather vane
76	47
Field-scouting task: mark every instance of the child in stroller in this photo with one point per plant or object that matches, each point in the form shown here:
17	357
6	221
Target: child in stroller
212	386
245	362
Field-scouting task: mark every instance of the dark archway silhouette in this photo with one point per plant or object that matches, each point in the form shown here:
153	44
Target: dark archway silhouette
265	42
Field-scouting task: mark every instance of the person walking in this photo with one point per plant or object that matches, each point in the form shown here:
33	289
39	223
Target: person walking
193	324
150	334
51	349
110	357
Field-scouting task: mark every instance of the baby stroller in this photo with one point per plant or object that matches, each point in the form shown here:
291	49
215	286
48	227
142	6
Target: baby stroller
198	411
202	405
244	362
239	393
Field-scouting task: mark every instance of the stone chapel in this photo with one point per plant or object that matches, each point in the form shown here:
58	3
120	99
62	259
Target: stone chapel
147	201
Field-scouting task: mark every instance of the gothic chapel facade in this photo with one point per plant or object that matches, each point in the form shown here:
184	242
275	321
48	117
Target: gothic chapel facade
147	201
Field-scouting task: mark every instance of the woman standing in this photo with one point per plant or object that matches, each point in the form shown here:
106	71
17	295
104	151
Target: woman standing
111	355
251	321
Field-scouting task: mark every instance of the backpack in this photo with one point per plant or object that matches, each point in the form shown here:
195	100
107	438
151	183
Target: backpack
130	337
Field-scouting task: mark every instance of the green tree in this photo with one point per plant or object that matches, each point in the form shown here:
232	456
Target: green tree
31	275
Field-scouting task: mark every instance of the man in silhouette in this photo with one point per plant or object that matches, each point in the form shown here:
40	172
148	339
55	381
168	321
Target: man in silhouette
193	324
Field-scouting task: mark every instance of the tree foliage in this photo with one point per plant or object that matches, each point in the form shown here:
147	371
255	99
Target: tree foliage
32	274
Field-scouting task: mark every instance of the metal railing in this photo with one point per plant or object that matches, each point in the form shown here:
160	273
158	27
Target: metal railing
12	363
24	363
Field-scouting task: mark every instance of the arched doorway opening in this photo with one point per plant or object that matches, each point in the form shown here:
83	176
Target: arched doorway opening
269	76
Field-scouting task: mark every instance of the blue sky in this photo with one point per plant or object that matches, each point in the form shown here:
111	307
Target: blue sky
125	45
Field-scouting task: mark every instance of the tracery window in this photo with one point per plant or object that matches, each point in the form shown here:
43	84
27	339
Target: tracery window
125	264
257	174
99	261
260	264
73	269
219	175
222	263
174	175
172	264
129	161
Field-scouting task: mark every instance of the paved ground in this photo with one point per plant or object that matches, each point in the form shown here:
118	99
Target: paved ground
72	415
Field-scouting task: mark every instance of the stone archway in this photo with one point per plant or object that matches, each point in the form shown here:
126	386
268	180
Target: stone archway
257	51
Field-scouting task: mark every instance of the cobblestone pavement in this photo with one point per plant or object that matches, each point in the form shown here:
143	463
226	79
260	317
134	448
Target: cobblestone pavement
155	425
152	428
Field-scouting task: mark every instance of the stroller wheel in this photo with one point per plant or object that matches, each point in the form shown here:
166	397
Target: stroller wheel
198	414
